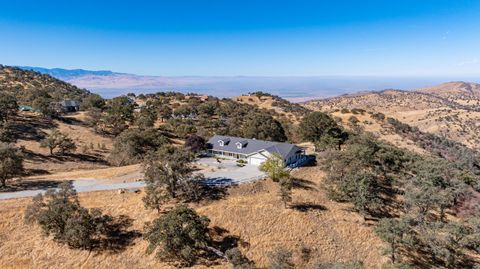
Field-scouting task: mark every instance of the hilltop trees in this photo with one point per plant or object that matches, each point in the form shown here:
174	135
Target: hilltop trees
8	107
164	112
121	107
132	145
394	232
43	103
93	101
27	86
374	175
55	140
6	134
118	113
314	125
361	171
11	162
321	129
179	235
263	126
147	116
195	143
106	123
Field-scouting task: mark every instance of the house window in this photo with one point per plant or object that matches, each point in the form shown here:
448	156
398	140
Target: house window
221	143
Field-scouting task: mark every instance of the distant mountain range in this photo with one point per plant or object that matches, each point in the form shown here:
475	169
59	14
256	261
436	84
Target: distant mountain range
65	74
108	83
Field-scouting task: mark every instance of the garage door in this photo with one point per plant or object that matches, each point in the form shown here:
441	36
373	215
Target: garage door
255	161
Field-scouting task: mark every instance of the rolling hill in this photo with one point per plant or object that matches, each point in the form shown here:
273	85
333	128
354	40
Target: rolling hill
450	110
27	85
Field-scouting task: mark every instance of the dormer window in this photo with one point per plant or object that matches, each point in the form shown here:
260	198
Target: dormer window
223	142
241	144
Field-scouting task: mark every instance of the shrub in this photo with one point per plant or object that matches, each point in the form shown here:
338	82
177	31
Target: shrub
60	215
179	235
378	116
280	259
238	260
11	162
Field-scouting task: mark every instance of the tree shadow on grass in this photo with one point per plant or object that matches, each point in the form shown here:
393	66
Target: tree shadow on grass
222	241
205	193
213	193
299	183
305	207
30	185
31	128
118	236
71	121
68	157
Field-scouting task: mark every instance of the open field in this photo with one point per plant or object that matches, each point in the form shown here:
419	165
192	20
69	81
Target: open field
250	214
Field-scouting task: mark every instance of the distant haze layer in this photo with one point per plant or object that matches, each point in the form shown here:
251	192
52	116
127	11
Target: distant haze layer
110	84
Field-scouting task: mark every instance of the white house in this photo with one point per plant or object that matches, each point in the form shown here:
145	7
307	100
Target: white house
253	151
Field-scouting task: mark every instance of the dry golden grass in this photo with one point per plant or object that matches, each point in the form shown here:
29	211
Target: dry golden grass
252	212
382	132
266	102
129	173
83	136
434	109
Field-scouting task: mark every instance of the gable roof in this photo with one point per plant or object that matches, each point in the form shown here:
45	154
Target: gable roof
251	146
69	103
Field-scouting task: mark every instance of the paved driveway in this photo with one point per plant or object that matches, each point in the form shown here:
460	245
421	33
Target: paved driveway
80	185
228	173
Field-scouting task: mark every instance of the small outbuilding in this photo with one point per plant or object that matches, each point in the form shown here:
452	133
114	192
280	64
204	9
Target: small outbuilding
68	106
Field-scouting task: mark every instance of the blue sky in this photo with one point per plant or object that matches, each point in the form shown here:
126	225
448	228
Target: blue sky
243	37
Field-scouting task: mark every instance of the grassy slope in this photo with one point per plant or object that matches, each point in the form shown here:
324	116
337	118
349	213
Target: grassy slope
24	83
252	212
438	109
32	128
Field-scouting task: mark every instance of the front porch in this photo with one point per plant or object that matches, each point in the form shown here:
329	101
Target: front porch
227	154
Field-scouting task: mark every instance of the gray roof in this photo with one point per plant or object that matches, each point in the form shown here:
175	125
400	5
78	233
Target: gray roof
67	103
251	146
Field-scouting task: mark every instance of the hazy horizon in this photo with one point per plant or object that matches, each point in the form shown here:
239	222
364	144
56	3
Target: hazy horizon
248	38
109	83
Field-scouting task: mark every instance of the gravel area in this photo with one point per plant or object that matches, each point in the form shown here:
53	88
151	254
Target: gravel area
227	172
